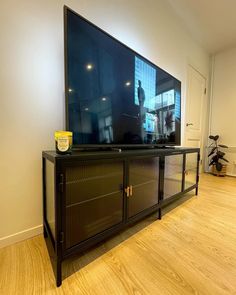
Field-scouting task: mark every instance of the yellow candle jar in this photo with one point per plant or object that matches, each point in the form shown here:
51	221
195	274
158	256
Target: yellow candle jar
63	141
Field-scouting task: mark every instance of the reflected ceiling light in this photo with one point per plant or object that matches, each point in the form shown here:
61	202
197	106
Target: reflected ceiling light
86	109
70	90
128	83
104	98
89	67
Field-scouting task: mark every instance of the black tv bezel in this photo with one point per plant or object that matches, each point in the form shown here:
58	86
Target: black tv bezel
108	145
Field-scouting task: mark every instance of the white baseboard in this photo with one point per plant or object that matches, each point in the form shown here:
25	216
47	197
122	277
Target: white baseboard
21	236
231	175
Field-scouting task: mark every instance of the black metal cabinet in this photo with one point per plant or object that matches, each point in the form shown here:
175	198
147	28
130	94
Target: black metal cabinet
88	196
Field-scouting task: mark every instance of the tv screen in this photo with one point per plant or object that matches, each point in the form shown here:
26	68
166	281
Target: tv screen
114	95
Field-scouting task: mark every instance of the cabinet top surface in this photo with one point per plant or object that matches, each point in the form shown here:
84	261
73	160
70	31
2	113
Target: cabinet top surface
117	153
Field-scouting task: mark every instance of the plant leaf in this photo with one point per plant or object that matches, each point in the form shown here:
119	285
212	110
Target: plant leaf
225	160
223	145
215	159
212	151
211	163
220	154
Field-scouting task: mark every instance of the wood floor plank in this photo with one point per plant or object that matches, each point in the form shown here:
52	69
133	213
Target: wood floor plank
192	250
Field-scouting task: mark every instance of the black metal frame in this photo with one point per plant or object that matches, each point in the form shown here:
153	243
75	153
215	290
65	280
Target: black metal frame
56	248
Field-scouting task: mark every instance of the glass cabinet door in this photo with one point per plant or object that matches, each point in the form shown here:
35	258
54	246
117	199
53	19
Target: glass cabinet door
173	175
144	184
94	199
190	170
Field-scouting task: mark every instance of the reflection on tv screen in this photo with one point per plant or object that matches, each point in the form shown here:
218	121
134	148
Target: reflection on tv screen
114	95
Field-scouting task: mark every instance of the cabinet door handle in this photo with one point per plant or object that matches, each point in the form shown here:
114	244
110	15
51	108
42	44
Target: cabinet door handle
127	191
131	190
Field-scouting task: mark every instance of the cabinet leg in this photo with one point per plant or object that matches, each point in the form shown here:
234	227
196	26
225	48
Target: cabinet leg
159	213
196	191
58	273
45	234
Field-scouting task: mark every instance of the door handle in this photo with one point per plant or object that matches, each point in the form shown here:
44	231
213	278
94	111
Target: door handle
127	191
131	190
189	124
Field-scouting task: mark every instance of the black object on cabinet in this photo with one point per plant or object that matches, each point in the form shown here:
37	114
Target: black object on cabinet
89	196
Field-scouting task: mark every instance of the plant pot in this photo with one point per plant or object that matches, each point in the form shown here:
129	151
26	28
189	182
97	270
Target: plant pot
219	173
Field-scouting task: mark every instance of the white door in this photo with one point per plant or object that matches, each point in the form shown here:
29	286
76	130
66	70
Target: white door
195	112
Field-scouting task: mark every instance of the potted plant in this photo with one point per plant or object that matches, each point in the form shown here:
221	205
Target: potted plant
216	156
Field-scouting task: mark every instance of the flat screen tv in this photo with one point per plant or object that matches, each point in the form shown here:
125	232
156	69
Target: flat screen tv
115	96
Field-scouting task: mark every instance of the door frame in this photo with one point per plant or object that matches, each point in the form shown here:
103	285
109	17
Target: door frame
204	110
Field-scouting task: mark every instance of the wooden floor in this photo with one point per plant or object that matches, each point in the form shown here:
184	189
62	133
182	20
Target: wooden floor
192	250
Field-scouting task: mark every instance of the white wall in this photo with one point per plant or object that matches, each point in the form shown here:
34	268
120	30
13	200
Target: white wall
32	85
223	103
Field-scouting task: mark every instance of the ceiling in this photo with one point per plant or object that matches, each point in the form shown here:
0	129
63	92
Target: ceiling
211	22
